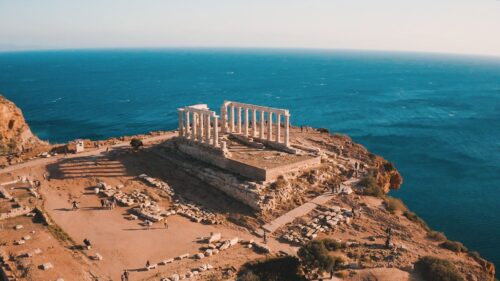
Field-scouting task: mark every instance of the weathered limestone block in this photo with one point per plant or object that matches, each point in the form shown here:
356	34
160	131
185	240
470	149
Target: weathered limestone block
214	237
233	241
46	266
97	257
225	245
182	256
262	247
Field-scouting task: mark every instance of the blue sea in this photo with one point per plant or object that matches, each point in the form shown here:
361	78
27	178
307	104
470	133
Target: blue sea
437	117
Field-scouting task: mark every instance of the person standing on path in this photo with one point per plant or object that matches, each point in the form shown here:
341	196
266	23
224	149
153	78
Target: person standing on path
165	223
75	205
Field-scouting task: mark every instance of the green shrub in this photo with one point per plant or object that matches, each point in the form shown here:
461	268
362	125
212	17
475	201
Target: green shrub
271	269
435	269
436	235
249	276
416	219
136	143
315	257
371	187
388	166
332	245
453	246
393	204
475	255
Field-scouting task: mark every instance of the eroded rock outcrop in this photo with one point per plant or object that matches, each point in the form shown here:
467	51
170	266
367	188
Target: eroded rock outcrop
15	134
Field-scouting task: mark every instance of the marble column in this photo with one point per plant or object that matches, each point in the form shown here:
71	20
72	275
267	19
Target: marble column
239	119
278	128
231	120
216	131
287	130
270	126
254	122
223	111
188	125
195	127
207	129
200	126
261	135
181	122
246	121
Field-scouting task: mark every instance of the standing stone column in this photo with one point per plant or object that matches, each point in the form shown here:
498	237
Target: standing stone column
207	130
195	126
270	126
278	128
200	127
287	130
261	135
239	119
216	131
181	122
231	120
254	122
246	121
223	111
188	125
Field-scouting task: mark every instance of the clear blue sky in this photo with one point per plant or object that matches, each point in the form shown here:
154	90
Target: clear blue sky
450	26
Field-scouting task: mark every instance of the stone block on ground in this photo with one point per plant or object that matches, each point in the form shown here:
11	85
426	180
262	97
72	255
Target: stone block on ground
214	237
182	256
234	241
97	257
46	266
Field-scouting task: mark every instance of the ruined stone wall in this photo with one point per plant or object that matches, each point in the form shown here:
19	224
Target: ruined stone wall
245	192
251	172
204	154
274	173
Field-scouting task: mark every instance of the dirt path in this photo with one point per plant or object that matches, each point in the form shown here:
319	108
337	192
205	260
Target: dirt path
300	211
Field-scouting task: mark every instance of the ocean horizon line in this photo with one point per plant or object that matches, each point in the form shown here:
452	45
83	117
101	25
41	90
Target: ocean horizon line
269	49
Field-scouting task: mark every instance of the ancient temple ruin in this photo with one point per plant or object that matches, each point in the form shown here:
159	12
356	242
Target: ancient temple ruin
248	140
253	122
265	127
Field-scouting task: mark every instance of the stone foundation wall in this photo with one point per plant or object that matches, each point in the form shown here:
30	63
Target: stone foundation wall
204	154
245	192
251	172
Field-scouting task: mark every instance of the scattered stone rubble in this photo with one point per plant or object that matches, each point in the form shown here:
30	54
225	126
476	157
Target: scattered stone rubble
146	208
214	245
325	220
157	183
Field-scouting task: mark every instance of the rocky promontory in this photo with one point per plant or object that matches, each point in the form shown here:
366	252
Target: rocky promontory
15	134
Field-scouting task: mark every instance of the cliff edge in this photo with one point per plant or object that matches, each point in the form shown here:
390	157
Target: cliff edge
15	134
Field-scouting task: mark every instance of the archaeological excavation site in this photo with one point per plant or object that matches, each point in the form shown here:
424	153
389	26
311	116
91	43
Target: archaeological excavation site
232	190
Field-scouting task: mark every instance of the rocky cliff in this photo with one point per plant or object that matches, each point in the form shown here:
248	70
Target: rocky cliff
15	134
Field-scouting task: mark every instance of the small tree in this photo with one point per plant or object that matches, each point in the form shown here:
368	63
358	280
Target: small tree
136	143
315	258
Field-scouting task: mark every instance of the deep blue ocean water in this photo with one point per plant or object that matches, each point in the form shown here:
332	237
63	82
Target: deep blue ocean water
437	117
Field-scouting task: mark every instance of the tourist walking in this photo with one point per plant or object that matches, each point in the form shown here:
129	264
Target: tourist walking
75	205
265	237
147	264
103	203
126	275
165	223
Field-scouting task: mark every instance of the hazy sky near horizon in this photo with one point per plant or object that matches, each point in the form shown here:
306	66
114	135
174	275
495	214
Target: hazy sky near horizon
449	26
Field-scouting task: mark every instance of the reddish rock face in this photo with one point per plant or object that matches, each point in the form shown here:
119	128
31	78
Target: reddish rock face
15	134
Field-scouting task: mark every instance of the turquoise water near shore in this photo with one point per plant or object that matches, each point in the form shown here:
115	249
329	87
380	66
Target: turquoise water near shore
437	117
